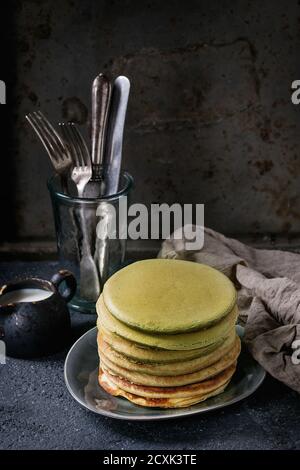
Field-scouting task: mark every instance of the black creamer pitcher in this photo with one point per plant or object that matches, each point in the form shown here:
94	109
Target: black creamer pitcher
34	317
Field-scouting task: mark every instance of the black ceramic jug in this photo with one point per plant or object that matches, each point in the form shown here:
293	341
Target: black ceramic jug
32	328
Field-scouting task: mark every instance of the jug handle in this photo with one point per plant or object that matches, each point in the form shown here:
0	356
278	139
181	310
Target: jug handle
2	346
2	333
5	310
65	276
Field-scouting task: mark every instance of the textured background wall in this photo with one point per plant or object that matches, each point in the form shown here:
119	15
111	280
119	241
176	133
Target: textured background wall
210	118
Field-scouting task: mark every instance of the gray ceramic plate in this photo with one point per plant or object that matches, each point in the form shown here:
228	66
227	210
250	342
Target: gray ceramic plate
81	369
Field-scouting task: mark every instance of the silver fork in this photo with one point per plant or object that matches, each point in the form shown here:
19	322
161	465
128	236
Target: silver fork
58	153
82	169
81	175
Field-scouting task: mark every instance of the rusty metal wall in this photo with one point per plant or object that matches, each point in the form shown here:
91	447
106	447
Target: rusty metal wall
210	118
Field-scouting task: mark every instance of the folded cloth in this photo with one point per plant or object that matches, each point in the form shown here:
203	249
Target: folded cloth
268	283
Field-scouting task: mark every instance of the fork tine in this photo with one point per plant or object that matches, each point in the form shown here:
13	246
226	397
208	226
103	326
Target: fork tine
63	153
81	172
43	138
77	154
82	143
58	151
50	129
68	141
73	136
74	144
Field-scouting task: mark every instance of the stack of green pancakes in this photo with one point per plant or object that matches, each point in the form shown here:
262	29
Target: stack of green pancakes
166	333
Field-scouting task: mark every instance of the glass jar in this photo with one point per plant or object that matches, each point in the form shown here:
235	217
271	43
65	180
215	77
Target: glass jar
91	238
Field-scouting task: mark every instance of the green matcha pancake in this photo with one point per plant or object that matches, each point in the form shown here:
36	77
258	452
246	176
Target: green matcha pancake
169	296
140	353
174	380
109	383
177	368
181	341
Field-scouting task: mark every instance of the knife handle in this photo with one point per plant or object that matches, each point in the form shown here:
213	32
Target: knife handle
101	92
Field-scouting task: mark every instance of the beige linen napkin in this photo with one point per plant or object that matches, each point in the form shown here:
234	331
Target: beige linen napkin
268	283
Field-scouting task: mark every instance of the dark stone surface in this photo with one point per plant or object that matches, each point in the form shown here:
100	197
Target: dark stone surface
37	411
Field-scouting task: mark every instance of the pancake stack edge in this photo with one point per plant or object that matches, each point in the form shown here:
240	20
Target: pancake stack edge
153	364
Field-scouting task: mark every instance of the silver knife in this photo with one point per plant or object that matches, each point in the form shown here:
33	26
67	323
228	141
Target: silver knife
115	130
112	168
101	93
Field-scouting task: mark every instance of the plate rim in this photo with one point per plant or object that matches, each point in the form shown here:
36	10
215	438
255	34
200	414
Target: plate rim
180	414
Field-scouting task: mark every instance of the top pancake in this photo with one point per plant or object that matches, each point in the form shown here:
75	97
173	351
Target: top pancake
169	296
